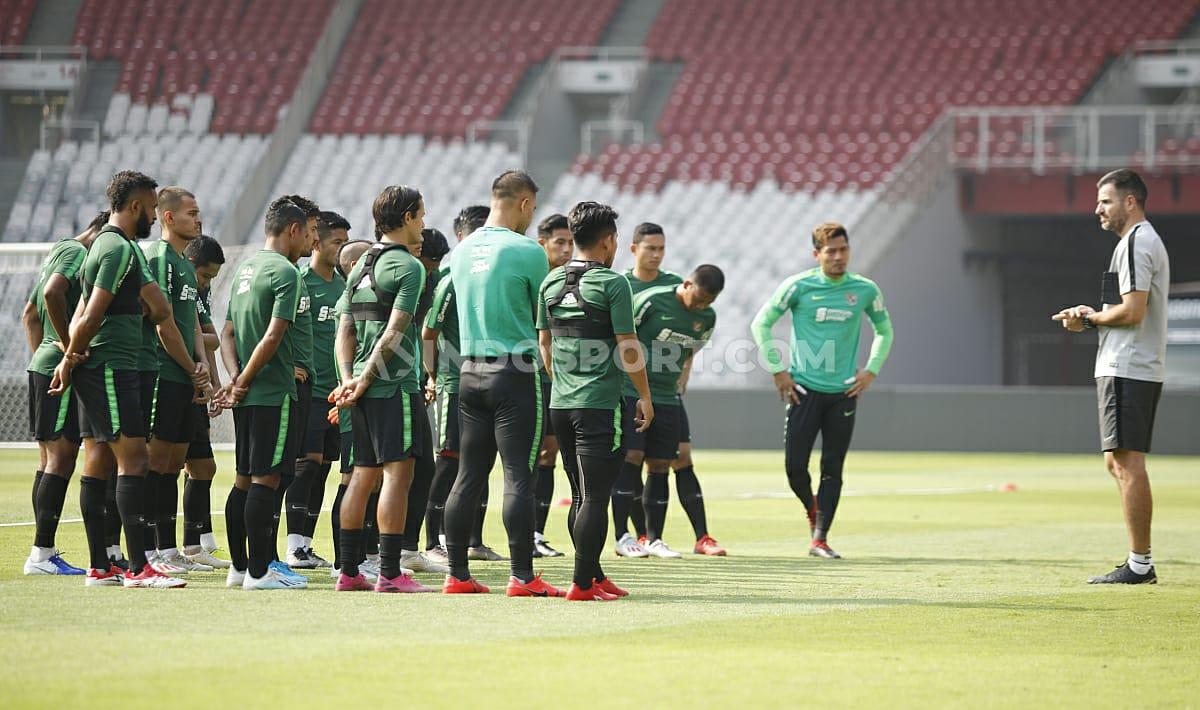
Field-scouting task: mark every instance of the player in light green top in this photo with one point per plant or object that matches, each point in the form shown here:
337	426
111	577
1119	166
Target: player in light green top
258	349
673	322
53	421
822	385
497	272
379	360
178	409
587	339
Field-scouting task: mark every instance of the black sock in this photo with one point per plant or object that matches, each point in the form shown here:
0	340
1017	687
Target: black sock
316	496
92	492
828	495
197	497
149	539
37	479
349	549
654	500
370	538
687	486
112	516
418	500
637	513
445	470
543	494
50	496
597	476
476	539
801	484
235	527
167	510
335	525
390	547
131	502
298	494
285	482
262	509
623	496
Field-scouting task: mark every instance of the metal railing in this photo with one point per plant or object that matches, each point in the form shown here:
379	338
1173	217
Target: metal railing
613	127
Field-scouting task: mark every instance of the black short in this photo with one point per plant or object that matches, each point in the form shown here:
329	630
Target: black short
110	403
661	440
321	437
547	421
347	441
200	447
388	429
589	432
176	417
51	417
685	429
264	440
448	422
147	382
1127	409
300	423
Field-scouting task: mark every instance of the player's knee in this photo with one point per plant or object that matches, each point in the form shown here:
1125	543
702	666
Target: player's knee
635	457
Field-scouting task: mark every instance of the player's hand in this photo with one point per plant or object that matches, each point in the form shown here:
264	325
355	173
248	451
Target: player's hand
1072	318
644	415
61	379
203	394
301	374
430	392
234	394
199	376
351	391
334	416
862	380
786	386
77	359
214	404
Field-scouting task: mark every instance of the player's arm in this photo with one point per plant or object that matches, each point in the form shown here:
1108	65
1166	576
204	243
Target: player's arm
83	329
263	352
160	314
429	350
33	325
685	374
390	342
881	345
54	296
631	357
768	348
544	343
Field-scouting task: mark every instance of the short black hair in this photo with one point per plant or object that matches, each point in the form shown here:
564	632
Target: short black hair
645	229
1126	182
124	185
335	220
710	278
511	184
346	251
99	220
590	222
433	244
204	250
471	218
310	208
548	226
392	205
283	213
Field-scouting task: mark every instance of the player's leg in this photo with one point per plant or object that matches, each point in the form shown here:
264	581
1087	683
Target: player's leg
345	468
597	435
200	467
800	434
55	424
307	470
445	470
661	447
477	454
837	428
316	495
424	471
176	421
687	488
477	549
148	384
98	467
543	489
628	490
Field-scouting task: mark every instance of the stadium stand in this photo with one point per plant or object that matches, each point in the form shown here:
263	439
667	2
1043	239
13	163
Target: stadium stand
14	21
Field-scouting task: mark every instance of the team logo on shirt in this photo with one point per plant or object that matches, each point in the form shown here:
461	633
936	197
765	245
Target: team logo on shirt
852	299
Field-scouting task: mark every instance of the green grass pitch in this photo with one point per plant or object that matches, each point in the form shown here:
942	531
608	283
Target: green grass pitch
951	593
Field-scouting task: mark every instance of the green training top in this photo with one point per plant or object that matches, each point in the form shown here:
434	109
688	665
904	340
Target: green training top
304	332
267	286
669	334
116	264
664	278
66	258
323	298
148	352
826	323
400	273
586	371
204	306
497	274
443	317
176	276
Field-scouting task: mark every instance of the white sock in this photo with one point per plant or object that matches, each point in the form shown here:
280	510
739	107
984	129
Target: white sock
295	542
307	542
208	541
41	554
170	553
538	537
373	558
114	551
1140	564
442	540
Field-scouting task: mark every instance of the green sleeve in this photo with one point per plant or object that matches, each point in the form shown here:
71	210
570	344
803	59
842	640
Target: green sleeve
410	279
543	317
287	293
161	271
620	304
881	322
342	307
434	318
69	267
112	263
779	303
